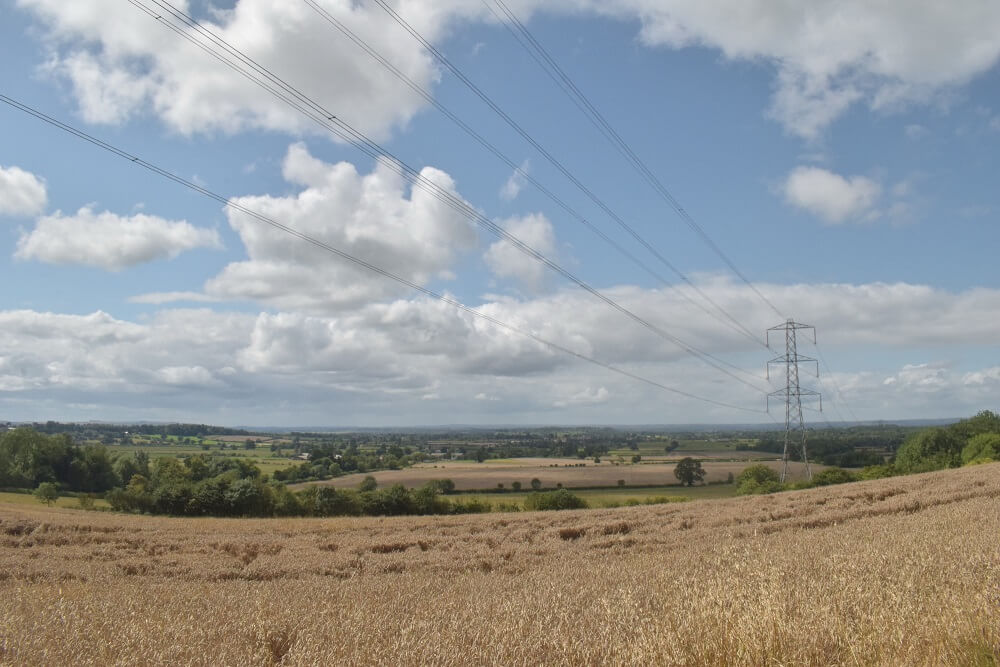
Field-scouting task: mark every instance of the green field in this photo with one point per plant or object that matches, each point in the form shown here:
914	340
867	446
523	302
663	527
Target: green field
63	501
261	456
612	496
657	448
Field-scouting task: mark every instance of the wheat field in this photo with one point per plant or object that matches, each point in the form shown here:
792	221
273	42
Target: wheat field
903	571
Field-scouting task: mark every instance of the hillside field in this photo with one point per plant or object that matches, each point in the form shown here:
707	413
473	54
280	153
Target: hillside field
571	473
897	571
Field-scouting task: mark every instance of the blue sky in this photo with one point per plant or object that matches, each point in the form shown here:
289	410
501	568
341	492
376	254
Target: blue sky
842	161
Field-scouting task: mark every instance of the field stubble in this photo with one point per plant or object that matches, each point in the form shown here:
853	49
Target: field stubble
897	571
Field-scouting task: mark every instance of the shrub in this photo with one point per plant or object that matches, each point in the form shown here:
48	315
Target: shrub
877	472
933	449
554	500
981	448
833	476
47	492
758	479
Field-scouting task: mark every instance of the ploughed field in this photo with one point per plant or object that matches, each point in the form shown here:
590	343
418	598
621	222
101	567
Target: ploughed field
571	473
897	571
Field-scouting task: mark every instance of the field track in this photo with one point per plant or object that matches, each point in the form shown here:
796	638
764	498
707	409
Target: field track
898	571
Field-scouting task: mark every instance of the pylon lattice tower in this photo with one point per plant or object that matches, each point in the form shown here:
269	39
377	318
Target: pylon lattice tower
795	428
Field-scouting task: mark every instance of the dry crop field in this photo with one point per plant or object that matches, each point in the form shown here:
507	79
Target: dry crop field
903	571
469	475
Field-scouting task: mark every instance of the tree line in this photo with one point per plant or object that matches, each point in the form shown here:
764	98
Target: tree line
969	442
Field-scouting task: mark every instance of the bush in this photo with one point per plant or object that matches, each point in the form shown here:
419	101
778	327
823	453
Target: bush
981	448
833	476
757	479
554	500
933	449
47	492
877	472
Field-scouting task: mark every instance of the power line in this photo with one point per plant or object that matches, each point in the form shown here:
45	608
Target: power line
548	64
329	121
225	201
546	154
566	84
836	386
725	318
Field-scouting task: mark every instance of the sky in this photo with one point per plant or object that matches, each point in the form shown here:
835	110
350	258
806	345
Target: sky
833	162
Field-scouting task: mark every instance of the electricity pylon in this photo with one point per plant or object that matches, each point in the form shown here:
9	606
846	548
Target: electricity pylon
792	393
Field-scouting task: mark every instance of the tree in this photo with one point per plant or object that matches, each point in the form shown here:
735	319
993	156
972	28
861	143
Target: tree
516	486
758	479
933	449
536	484
554	500
368	484
47	492
982	447
689	471
636	458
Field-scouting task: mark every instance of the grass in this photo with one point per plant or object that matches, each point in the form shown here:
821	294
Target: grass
612	496
902	571
12	498
471	476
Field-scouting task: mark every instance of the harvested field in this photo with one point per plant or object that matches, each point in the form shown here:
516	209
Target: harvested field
474	476
898	571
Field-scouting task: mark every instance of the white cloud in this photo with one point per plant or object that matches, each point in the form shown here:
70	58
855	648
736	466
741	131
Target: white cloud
586	396
378	363
134	64
512	188
830	196
109	241
832	55
372	217
159	298
826	56
21	192
507	261
915	131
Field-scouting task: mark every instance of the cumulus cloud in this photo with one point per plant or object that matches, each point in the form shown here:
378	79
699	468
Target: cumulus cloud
372	217
512	188
507	261
379	362
830	196
109	241
21	192
826	56
119	68
829	56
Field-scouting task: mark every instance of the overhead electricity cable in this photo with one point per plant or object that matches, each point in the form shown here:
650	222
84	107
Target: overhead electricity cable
555	162
725	318
582	102
329	121
836	386
229	203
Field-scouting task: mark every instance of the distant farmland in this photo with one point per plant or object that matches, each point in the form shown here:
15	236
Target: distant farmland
480	476
902	571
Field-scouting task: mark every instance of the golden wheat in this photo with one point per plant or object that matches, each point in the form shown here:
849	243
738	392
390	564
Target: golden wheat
897	571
